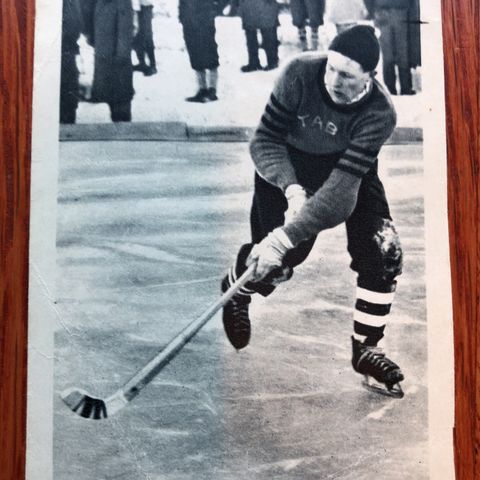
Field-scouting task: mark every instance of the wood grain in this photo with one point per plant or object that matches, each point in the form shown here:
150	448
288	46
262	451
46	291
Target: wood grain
461	46
16	66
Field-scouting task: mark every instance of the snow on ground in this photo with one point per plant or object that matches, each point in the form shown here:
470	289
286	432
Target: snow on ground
242	96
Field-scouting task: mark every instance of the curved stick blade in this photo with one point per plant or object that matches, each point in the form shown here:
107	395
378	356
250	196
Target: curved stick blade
83	404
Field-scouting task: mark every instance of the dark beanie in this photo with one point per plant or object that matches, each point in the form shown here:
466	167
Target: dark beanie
360	44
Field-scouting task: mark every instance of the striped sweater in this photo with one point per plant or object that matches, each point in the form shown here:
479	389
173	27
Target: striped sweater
301	114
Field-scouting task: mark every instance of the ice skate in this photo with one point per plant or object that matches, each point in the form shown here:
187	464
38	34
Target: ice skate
382	375
236	321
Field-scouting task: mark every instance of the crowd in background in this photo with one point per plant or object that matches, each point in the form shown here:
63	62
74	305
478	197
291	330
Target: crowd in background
116	28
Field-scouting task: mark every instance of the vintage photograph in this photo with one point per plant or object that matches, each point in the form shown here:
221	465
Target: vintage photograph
241	282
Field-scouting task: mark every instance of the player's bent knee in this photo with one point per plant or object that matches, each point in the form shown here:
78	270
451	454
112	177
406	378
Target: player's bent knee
390	250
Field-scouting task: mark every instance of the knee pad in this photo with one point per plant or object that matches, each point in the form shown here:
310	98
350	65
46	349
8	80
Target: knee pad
390	250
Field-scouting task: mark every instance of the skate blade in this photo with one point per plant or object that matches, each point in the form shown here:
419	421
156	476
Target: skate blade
393	391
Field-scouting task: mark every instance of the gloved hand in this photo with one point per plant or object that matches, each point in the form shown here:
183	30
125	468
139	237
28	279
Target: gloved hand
269	253
296	196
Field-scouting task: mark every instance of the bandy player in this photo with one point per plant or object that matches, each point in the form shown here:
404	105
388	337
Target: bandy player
315	153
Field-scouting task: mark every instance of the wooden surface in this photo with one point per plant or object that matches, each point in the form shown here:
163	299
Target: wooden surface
461	33
16	62
461	42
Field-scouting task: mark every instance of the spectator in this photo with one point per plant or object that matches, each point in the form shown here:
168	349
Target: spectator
260	15
143	41
69	74
346	13
391	18
310	11
198	21
109	29
414	47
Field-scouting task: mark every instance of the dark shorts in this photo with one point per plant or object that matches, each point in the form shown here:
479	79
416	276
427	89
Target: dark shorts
372	240
311	10
201	45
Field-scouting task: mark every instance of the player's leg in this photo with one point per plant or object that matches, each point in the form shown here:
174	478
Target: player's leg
149	43
299	19
383	22
139	43
374	246
267	213
402	52
315	9
251	37
270	44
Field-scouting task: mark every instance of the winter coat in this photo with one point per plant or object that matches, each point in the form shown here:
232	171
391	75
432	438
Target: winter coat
198	20
413	12
346	11
71	26
375	4
197	12
109	28
259	13
415	54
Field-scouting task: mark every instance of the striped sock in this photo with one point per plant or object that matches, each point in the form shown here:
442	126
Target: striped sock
370	315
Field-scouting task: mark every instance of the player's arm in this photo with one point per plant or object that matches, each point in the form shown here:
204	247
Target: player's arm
332	203
335	201
268	147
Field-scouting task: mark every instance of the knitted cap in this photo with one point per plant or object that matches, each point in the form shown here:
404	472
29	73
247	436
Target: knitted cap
360	44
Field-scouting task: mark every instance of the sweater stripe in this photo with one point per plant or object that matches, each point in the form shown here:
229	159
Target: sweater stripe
351	170
358	168
364	151
361	161
270	125
277	117
272	136
276	103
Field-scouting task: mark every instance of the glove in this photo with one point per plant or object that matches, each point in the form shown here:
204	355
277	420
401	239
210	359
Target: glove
269	253
296	196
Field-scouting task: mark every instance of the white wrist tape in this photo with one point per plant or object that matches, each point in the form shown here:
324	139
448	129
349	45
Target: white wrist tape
272	248
293	190
296	197
282	238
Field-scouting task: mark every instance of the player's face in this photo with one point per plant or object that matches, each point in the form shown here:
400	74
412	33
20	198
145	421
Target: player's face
344	77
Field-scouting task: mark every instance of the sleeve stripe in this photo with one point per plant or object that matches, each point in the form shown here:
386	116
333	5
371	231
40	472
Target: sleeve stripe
359	161
355	154
263	131
347	163
363	151
280	107
276	116
272	126
352	171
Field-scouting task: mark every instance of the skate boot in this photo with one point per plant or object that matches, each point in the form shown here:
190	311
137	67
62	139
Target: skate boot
382	375
236	321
